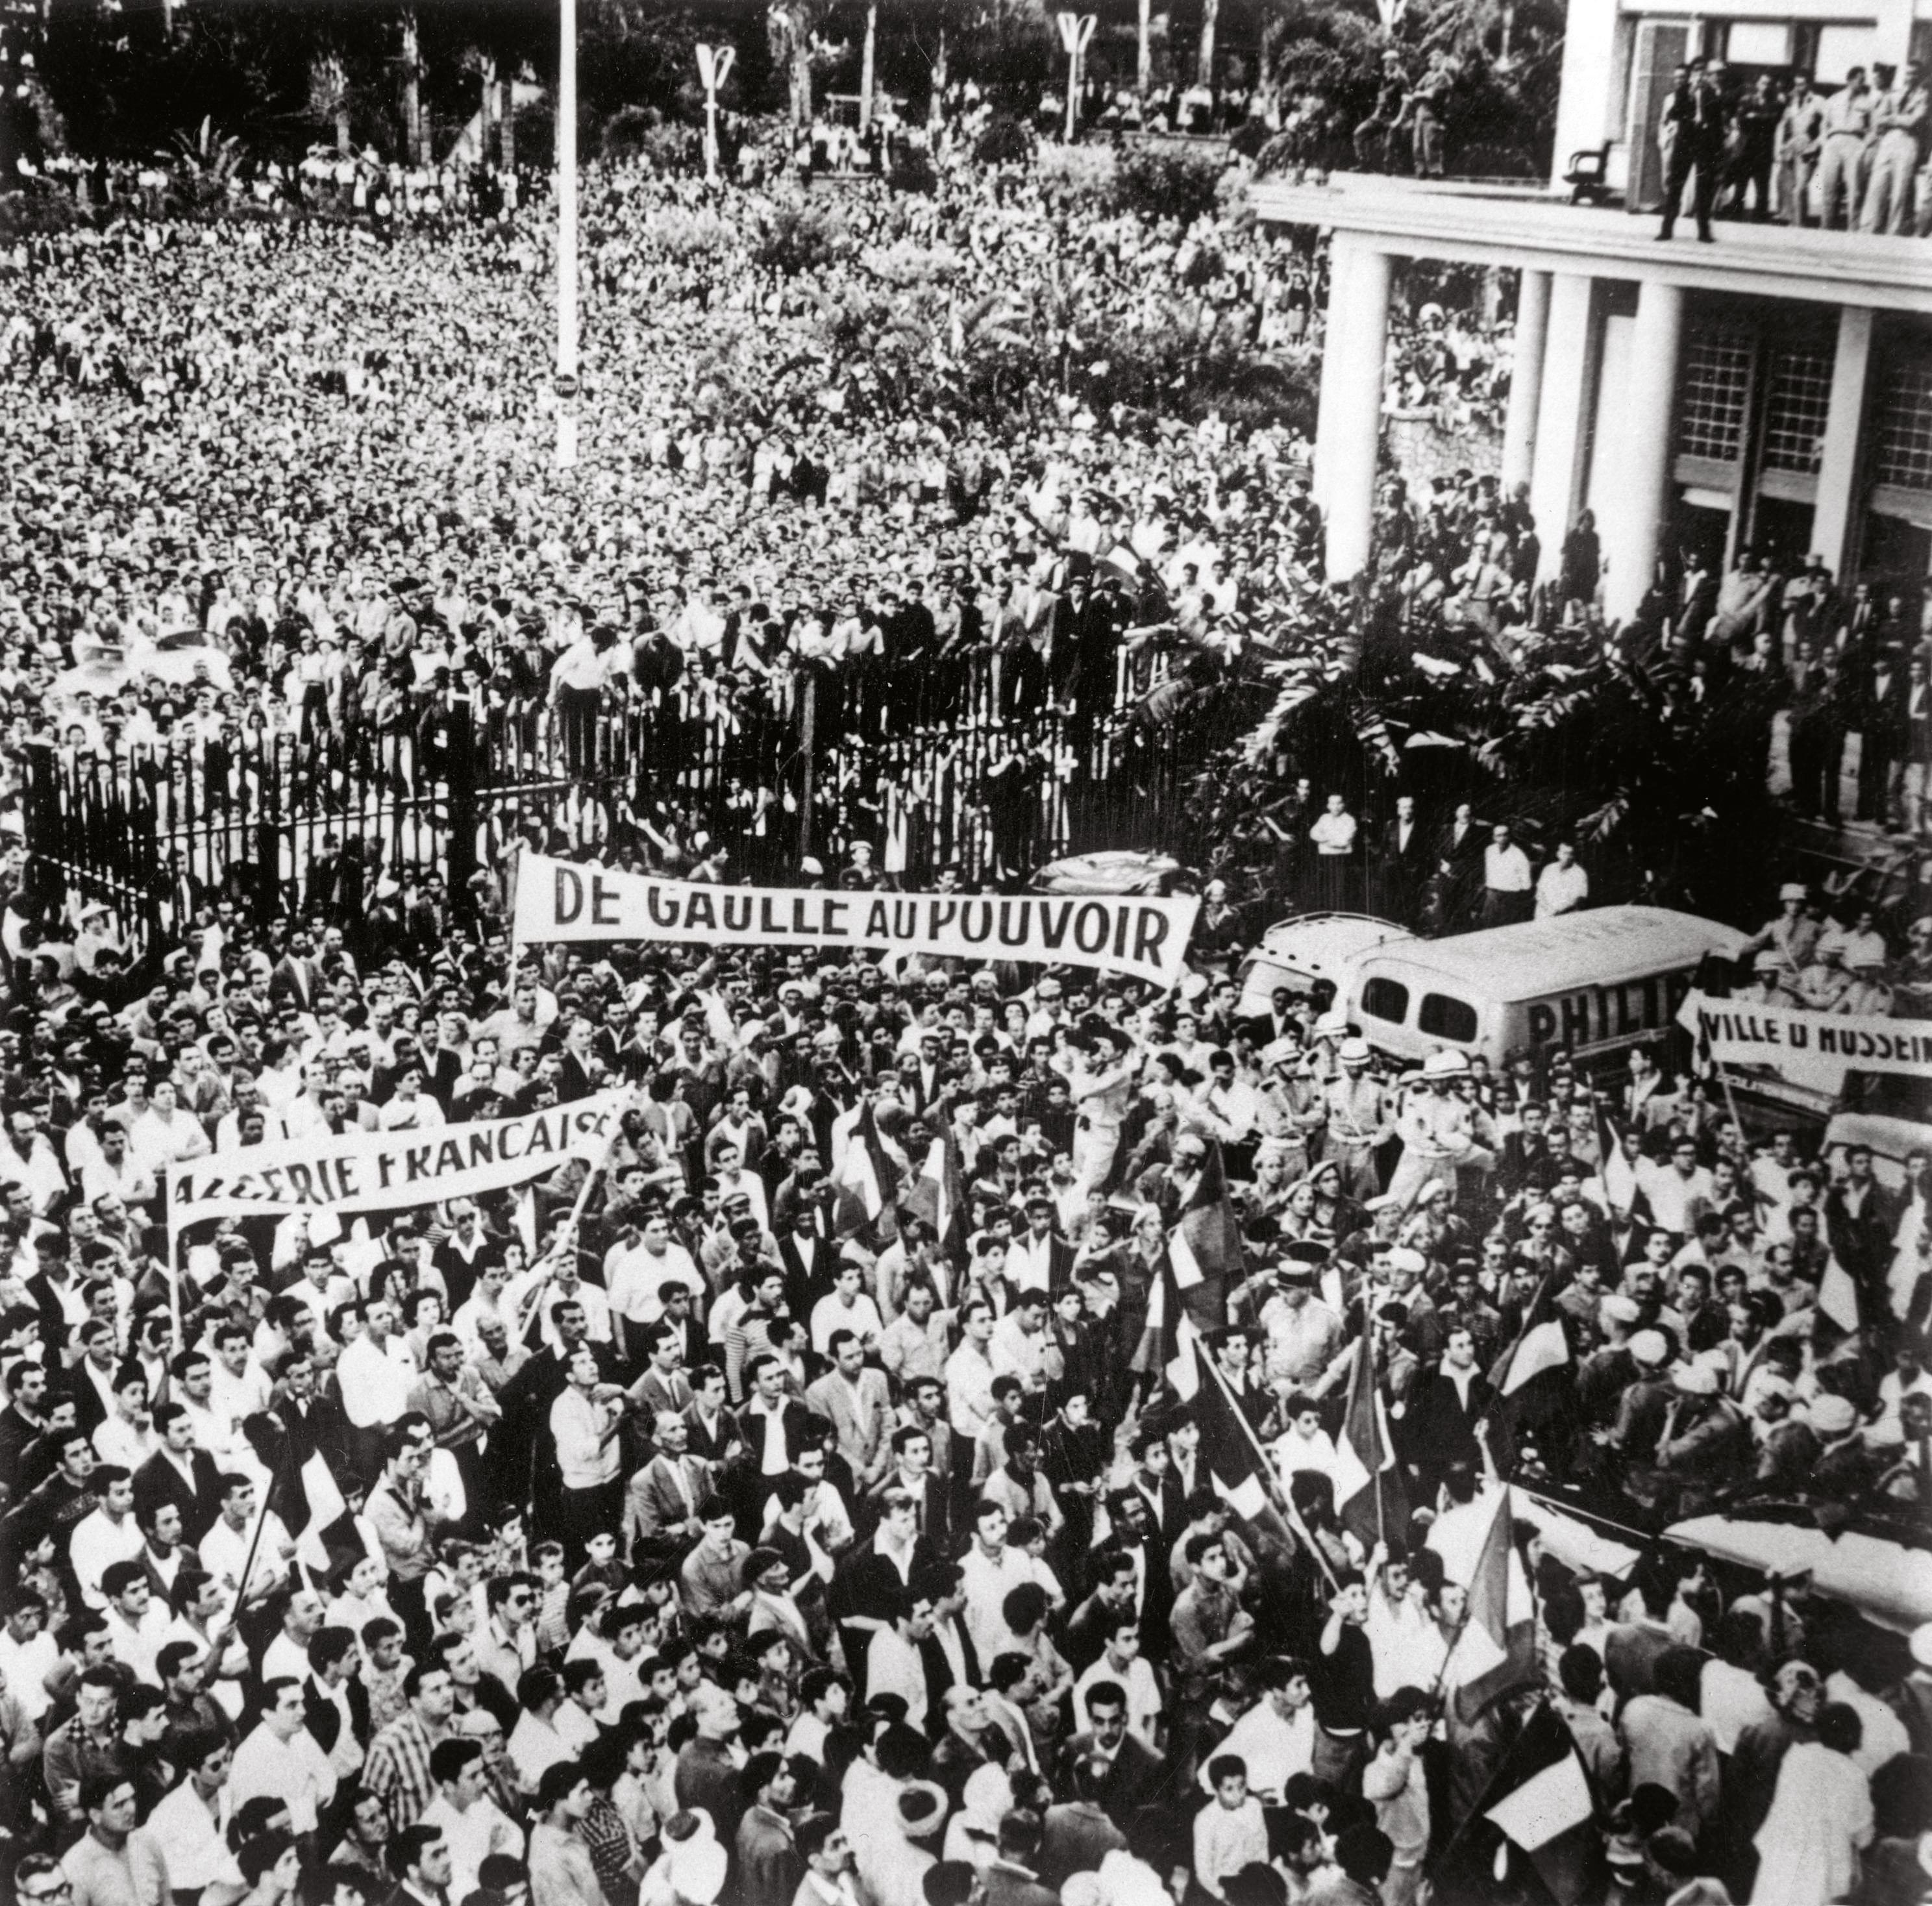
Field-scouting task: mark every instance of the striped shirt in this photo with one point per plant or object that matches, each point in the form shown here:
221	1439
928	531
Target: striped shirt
397	1769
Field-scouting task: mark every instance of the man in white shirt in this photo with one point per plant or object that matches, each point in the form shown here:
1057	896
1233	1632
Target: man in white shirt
1506	880
1120	1661
108	1535
189	1827
279	1758
127	1438
224	1549
1276	1737
164	1135
29	1654
634	1276
472	1823
991	1571
411	1110
375	1371
137	1625
238	1387
894	1664
1563	886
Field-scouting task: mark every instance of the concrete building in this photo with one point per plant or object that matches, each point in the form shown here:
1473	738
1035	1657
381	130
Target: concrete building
1772	389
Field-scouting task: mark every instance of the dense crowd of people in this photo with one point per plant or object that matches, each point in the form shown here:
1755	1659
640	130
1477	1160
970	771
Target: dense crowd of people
797	511
693	1527
703	1535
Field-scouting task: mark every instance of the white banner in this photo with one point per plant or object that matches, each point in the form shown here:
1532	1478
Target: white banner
379	1171
556	900
1807	1049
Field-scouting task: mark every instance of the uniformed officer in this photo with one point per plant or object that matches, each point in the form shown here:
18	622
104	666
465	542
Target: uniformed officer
1801	128
1898	126
1841	160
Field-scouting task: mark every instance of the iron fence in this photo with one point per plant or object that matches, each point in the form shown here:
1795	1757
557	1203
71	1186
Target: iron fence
972	762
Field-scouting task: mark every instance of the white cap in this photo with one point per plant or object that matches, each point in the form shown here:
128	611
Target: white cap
1649	1347
1353	1052
1444	1065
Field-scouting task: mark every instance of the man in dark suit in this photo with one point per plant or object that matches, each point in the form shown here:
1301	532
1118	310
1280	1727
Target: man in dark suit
968	1740
1013	1878
1444	1414
809	1258
1278	1022
1458	864
1695	113
1112	1764
1882	726
946	1651
1038	1259
330	1686
1525	1162
771	1420
1861	1219
179	1473
1403	864
22	1421
1096	1620
522	1451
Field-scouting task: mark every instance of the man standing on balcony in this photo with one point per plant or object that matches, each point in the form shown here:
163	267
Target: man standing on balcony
1694	116
1847	121
1898	126
1373	135
1800	133
1426	105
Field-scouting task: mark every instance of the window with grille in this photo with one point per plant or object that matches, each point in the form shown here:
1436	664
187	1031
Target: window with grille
1904	453
1798	396
1717	381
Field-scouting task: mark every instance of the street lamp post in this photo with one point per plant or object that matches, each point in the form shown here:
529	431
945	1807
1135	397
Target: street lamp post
714	65
1076	30
566	236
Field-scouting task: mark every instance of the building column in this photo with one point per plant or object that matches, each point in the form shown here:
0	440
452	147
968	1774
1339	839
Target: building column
1352	410
1835	515
1532	327
1565	397
1642	452
1339	258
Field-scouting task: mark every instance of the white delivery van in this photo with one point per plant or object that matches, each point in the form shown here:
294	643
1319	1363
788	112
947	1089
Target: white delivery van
1296	953
1595	982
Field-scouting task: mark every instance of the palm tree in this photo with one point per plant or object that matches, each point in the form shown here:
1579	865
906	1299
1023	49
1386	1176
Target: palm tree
328	96
1210	15
480	64
1144	49
788	27
867	65
414	130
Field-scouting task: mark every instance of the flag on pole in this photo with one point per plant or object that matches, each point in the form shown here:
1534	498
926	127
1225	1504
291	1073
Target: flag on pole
1838	1297
867	1183
1236	1464
1496	1650
1529	1378
1541	1348
938	1194
1369	1495
1205	1248
1531	1834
